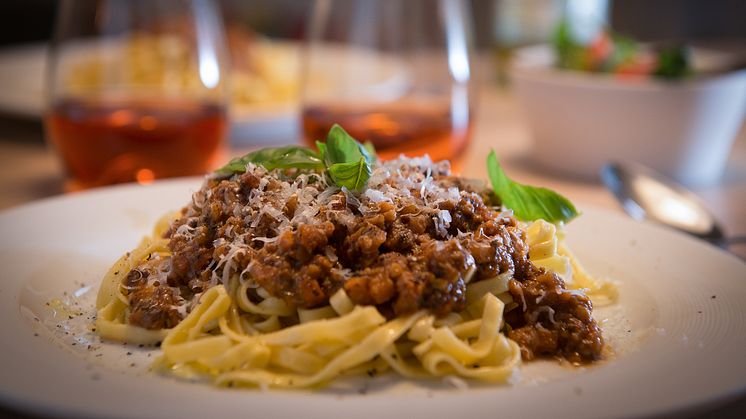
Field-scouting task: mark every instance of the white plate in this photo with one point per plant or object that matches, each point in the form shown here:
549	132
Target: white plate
678	329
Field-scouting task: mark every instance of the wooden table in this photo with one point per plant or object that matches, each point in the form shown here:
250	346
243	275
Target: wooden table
29	171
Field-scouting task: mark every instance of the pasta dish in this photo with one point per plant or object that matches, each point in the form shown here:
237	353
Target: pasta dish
280	277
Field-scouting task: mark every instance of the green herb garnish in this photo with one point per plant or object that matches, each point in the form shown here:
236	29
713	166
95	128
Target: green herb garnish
286	157
673	63
347	162
528	203
371	149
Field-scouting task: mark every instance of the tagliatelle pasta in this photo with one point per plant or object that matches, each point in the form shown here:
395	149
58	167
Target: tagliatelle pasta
549	251
213	340
279	279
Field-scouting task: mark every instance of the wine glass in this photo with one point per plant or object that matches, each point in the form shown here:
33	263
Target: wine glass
396	73
137	90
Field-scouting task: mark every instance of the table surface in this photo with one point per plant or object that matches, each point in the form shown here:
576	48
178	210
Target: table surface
29	171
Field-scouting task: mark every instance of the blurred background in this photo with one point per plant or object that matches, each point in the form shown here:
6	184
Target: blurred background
25	21
268	73
527	116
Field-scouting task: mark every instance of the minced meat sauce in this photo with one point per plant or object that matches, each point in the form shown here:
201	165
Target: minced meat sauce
411	240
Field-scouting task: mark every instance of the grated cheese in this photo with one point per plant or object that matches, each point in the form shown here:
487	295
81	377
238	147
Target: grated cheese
542	309
403	182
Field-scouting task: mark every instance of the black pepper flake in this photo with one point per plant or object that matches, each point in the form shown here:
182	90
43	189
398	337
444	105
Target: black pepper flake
69	317
129	353
36	334
132	364
371	372
99	355
116	273
714	296
75	343
93	329
699	311
141	346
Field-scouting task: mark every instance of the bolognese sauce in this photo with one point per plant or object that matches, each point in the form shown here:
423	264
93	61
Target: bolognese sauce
413	239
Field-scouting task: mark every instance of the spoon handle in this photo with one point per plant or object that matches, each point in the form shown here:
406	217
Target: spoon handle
735	240
731	243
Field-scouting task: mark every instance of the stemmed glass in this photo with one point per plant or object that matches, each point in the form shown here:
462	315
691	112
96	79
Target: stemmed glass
393	72
137	89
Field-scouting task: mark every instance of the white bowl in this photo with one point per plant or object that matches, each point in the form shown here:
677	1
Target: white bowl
579	121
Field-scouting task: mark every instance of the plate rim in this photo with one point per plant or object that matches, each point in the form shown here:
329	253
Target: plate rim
193	182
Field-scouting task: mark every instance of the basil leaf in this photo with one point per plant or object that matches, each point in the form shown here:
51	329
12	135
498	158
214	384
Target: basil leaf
352	175
371	150
342	148
528	203
275	157
347	162
322	150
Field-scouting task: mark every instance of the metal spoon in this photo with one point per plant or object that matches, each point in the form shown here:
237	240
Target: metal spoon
646	194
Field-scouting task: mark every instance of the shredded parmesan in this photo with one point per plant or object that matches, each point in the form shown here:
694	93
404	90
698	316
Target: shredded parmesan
280	202
542	309
541	296
578	292
523	298
266	239
375	195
